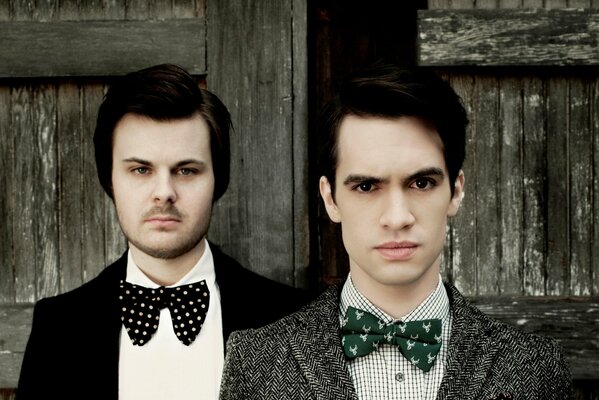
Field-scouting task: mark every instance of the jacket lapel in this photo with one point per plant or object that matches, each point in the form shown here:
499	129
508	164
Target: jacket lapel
106	347
471	350
316	346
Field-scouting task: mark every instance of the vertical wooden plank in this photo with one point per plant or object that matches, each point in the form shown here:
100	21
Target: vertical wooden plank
509	4
46	204
579	3
463	225
533	178
301	233
93	196
488	225
189	9
26	167
103	241
554	4
532	3
581	169
486	4
45	10
70	184
254	78
558	195
7	204
510	119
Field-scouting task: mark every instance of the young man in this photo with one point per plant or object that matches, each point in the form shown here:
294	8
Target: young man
391	176
153	324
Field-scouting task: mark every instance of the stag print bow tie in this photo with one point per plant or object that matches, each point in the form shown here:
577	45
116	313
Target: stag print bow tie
418	341
140	310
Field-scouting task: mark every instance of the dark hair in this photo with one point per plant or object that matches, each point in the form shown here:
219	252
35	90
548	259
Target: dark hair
389	91
162	92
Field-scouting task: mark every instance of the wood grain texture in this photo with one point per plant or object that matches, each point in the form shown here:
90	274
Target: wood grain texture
70	182
7	203
581	202
99	48
254	221
488	201
463	241
508	37
510	184
574	321
534	165
558	197
301	129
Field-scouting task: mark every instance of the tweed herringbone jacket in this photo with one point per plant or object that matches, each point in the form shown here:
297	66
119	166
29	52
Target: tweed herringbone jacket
300	357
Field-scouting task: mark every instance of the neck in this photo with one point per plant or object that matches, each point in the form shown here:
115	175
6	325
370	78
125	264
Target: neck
167	272
396	300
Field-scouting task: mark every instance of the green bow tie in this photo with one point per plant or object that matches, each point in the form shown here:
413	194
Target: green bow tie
418	341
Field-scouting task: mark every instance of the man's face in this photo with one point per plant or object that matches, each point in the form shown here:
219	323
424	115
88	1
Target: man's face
163	183
392	199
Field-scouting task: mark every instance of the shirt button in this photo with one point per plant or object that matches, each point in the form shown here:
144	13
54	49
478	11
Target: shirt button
399	377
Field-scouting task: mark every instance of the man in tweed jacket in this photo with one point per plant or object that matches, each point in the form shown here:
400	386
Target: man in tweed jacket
391	176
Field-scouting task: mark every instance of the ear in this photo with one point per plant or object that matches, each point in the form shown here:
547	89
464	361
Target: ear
458	194
326	193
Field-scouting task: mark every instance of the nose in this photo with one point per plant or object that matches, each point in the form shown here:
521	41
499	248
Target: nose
397	212
164	189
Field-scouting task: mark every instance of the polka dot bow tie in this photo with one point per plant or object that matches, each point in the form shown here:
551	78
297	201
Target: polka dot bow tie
140	310
418	341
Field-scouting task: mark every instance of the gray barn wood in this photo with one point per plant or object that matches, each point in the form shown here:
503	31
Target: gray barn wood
522	37
99	48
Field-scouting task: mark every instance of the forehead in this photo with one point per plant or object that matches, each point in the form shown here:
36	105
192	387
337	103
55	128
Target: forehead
140	136
378	143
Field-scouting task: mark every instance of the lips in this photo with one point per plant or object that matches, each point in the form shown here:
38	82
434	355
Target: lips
163	221
397	251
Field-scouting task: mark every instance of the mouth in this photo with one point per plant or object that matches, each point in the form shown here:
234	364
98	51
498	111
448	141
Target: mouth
397	251
163	221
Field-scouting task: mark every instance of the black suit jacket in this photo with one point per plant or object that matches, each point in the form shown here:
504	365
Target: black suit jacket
300	357
73	349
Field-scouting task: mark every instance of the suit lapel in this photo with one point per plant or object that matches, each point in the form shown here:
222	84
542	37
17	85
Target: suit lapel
316	346
471	350
106	320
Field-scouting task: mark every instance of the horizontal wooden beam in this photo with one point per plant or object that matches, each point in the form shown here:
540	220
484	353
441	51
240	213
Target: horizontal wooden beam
574	321
100	48
508	37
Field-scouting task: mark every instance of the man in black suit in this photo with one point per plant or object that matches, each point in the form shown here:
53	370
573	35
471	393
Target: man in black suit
153	324
391	176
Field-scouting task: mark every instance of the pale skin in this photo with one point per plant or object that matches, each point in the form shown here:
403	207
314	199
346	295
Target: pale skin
392	198
163	184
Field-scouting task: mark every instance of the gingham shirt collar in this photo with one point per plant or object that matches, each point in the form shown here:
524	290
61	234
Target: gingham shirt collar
436	305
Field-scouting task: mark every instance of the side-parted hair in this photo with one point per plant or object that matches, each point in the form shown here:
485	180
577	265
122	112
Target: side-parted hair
389	91
163	92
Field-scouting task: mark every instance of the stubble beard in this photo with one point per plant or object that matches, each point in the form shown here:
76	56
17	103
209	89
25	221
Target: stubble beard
181	246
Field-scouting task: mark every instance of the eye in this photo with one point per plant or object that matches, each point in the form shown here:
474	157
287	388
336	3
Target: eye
423	183
141	170
365	187
186	171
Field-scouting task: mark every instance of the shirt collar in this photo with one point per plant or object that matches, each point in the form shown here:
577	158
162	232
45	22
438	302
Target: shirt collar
436	305
203	270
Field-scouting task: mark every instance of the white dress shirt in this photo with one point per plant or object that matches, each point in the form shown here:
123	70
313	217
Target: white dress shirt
386	373
164	368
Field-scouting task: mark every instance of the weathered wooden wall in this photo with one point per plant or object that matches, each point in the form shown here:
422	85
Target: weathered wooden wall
59	228
258	52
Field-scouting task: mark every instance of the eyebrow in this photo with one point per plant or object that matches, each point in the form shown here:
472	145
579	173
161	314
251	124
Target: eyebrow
179	164
432	171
